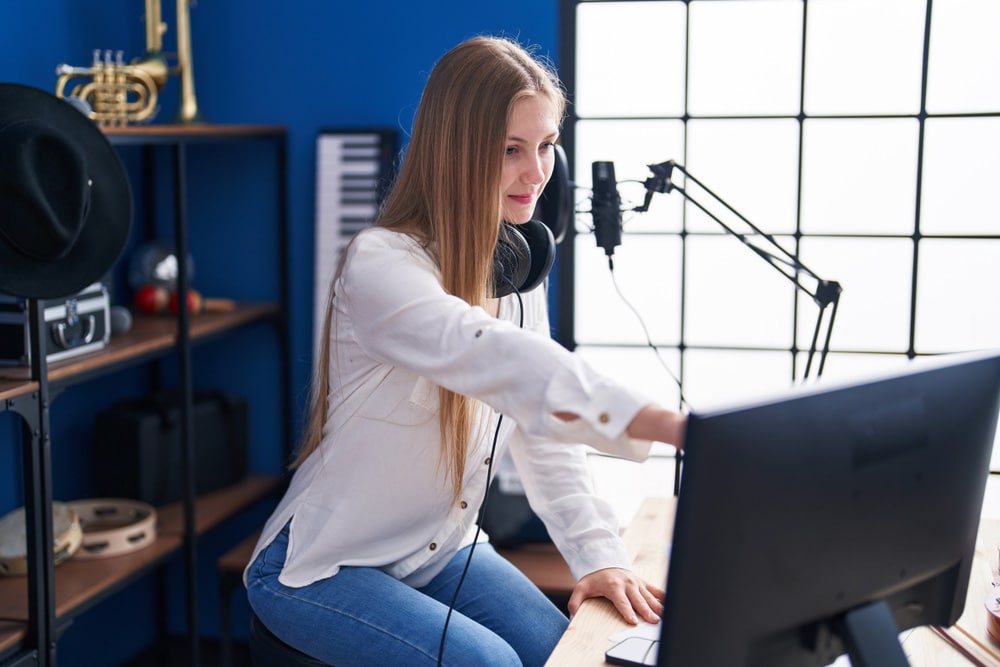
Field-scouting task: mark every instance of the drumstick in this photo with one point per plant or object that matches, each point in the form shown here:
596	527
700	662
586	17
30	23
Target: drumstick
199	304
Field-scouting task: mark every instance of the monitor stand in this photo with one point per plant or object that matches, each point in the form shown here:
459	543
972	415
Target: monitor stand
871	638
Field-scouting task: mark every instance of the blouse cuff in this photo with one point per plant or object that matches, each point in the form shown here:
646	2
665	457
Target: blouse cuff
606	405
599	555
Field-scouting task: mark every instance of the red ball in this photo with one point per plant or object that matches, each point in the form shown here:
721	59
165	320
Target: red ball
193	299
151	299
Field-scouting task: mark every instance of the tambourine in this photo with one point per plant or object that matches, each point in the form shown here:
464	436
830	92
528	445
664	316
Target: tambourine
67	536
114	526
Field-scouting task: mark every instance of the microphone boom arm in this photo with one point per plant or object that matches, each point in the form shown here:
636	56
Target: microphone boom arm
825	293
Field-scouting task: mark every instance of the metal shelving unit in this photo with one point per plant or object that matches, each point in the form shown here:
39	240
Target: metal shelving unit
33	611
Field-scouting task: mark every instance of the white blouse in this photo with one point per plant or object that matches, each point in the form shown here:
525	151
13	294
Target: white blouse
375	492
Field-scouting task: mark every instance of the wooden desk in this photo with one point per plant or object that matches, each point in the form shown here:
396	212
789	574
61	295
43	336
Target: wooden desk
926	649
587	637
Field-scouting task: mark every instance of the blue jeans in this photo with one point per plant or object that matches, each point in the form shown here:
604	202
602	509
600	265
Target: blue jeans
363	616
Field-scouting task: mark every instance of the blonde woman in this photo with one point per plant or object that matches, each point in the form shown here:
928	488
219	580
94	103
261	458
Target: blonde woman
427	377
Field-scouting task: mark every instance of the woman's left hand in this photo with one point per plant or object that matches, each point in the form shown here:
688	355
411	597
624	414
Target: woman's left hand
634	598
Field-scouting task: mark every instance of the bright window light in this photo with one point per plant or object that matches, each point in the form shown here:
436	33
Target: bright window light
862	134
864	56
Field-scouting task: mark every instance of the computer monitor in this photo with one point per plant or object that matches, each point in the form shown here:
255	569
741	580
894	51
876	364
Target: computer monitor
830	519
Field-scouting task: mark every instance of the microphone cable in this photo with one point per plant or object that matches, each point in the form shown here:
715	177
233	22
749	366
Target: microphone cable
649	340
482	510
679	456
628	304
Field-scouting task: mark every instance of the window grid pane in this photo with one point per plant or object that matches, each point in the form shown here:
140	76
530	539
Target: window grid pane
642	75
733	70
864	57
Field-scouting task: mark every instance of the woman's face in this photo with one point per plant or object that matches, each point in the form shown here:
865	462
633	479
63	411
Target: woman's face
529	157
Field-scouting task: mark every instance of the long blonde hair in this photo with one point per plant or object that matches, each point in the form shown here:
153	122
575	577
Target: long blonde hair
447	196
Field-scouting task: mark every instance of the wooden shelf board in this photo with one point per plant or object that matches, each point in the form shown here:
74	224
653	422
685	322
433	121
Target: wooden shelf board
11	634
149	336
10	389
82	581
215	507
237	558
192	131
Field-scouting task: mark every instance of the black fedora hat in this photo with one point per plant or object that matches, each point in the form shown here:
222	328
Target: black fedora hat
65	200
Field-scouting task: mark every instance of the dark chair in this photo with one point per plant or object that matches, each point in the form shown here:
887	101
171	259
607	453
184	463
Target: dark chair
266	650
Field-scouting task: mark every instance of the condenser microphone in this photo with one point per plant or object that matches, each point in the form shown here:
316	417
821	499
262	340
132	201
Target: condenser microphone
606	207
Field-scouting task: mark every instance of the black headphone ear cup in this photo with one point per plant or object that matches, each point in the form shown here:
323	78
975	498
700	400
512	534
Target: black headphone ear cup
511	261
542	244
555	206
523	258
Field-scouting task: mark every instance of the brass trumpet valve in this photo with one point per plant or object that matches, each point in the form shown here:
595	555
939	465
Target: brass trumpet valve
113	92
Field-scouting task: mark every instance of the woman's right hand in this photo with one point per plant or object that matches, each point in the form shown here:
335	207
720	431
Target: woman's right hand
660	424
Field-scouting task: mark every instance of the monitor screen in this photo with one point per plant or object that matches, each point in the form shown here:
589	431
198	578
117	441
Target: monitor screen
828	520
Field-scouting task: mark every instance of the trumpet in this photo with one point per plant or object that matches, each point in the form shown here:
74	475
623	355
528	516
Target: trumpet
112	92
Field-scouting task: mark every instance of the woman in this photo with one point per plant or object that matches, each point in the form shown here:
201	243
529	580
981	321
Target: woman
426	377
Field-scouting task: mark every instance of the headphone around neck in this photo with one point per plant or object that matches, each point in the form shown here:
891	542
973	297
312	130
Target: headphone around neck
523	257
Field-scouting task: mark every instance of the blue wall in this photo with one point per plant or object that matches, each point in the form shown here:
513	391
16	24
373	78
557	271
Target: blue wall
304	65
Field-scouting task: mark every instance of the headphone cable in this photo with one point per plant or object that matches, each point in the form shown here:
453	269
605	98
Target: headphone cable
482	513
472	547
